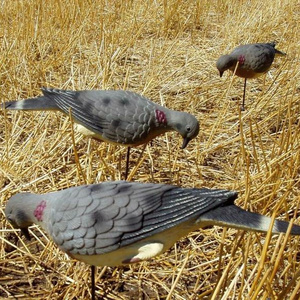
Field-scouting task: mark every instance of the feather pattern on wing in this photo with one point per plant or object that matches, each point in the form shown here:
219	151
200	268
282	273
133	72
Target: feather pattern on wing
121	116
113	215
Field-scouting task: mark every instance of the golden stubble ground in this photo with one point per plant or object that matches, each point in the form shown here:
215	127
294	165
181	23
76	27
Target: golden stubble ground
165	50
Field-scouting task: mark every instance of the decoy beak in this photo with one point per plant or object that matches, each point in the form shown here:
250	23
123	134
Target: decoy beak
221	73
25	232
185	142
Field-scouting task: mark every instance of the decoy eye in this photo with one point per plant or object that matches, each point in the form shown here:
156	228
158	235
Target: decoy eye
188	128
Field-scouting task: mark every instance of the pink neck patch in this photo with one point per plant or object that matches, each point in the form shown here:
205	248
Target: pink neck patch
160	116
39	210
241	59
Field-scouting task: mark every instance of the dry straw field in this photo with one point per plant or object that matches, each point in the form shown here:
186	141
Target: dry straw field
165	50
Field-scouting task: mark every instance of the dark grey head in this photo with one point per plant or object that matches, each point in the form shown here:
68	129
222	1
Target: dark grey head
224	63
16	213
188	127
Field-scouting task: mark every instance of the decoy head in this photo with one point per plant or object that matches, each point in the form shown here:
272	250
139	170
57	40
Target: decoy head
188	127
224	63
16	215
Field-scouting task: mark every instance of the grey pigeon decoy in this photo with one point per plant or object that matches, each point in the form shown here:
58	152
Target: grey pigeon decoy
115	116
116	223
253	60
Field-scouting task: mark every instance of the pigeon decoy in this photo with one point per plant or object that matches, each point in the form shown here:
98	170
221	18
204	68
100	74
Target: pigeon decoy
115	116
116	223
253	60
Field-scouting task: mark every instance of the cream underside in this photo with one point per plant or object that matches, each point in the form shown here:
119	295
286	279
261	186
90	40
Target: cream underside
142	250
161	242
241	72
85	131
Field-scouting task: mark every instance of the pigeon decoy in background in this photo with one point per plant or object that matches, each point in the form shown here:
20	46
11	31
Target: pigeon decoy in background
116	116
116	223
253	60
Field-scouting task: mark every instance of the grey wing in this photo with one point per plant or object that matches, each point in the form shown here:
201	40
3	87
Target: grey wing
118	116
93	219
264	56
178	205
101	218
258	57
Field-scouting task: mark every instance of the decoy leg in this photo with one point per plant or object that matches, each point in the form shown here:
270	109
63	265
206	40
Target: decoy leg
127	163
244	95
93	270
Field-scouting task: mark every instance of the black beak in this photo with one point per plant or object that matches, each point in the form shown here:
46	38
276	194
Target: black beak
221	73
185	142
25	232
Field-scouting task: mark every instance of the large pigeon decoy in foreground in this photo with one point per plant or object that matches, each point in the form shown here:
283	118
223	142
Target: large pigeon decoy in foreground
253	60
115	116
116	223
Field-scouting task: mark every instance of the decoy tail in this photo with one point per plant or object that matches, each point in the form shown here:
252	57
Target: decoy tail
277	52
235	217
38	103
